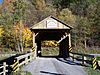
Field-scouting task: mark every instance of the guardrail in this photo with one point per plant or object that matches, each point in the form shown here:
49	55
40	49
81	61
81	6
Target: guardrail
21	60
7	55
3	68
85	58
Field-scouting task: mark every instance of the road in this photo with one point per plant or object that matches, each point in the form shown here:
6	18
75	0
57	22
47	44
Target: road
54	66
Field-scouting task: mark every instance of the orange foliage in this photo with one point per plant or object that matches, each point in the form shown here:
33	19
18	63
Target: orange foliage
26	33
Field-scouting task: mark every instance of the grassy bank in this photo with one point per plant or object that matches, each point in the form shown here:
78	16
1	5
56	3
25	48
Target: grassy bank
90	71
50	51
3	57
21	72
90	50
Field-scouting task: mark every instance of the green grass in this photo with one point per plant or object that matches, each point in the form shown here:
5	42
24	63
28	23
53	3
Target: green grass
3	57
98	58
50	51
90	71
21	73
87	50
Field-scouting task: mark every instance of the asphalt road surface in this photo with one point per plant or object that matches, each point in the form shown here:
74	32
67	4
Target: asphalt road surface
54	66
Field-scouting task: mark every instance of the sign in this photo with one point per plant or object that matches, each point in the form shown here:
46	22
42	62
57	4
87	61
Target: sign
51	24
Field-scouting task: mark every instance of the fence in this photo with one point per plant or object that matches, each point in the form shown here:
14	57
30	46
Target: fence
6	55
3	69
21	60
85	58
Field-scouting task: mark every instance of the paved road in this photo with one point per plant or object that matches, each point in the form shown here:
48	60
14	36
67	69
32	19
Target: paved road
53	66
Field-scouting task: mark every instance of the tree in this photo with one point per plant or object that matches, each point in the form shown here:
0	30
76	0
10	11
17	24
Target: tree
61	4
67	16
19	14
96	25
83	29
27	37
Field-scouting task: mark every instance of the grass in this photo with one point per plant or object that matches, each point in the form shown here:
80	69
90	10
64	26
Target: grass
3	57
98	58
50	51
21	72
87	50
90	71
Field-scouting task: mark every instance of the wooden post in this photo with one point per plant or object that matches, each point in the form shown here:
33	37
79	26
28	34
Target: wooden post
34	45
73	57
83	59
26	60
69	40
4	68
30	57
33	39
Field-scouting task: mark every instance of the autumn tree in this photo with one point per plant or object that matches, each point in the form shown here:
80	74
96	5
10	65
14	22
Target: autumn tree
27	37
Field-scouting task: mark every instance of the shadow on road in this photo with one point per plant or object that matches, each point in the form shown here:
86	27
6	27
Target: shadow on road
50	73
69	61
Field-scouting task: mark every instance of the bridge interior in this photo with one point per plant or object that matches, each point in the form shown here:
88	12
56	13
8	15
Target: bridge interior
53	34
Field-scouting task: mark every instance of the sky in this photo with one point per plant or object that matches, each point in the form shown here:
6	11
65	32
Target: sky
1	1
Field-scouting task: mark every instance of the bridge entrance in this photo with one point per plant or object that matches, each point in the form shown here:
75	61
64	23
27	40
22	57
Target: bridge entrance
52	29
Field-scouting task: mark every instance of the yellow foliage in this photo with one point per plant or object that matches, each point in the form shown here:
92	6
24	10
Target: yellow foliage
49	43
1	31
26	33
27	36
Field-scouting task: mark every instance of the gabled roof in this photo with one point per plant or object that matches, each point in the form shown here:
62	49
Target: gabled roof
51	23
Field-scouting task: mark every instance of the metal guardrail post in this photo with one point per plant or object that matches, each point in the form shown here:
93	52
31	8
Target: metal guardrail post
70	49
94	63
15	66
34	50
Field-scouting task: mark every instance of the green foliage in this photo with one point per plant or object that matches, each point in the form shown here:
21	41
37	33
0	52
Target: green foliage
19	7
67	16
61	4
12	14
83	15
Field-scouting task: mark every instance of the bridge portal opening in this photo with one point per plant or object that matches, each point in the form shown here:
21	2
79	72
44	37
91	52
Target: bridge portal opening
55	31
49	48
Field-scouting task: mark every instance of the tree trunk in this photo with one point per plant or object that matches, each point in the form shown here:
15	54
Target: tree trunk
18	45
85	44
57	12
17	42
20	37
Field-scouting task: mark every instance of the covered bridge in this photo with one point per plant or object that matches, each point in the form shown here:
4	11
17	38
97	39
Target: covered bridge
52	28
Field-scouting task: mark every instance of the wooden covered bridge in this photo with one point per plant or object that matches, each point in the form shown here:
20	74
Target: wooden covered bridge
52	28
